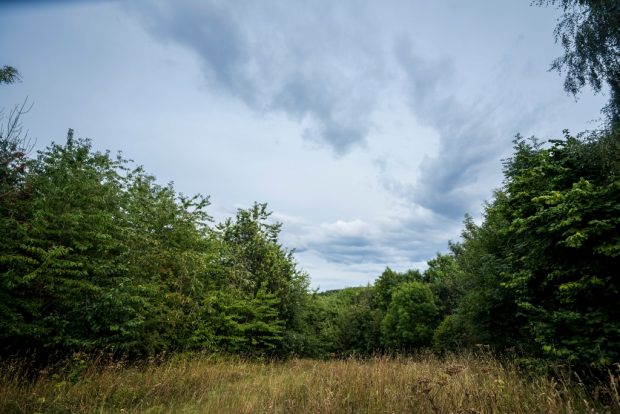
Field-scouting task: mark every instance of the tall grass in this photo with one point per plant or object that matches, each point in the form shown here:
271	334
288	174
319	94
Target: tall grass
201	384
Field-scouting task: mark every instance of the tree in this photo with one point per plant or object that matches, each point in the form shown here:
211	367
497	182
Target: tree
589	31
487	312
14	143
451	335
64	281
355	321
234	324
445	278
8	74
411	317
171	255
388	282
96	256
563	210
252	260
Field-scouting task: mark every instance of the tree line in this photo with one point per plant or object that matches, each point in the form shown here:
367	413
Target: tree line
538	278
95	255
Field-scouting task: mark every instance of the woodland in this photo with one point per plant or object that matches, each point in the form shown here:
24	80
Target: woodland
98	258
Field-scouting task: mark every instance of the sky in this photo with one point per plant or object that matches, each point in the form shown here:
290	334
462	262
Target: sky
369	128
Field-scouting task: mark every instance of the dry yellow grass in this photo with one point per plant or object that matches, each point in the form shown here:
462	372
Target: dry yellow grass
199	384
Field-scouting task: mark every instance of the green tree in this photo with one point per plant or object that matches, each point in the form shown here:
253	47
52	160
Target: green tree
411	317
563	210
487	312
65	284
8	74
97	256
14	144
252	260
16	311
234	324
445	278
589	31
356	321
451	335
386	284
171	254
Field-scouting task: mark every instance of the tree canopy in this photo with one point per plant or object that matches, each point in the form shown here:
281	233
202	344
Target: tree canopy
94	254
589	32
8	74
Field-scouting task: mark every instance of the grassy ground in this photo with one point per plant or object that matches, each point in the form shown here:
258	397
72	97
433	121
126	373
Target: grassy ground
199	384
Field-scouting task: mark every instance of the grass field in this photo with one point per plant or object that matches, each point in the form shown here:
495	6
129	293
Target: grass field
200	384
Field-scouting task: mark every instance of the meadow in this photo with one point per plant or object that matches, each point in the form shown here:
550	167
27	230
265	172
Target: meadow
204	384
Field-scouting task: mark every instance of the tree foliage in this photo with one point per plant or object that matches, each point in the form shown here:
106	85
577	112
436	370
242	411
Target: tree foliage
589	31
411	317
388	282
8	74
95	255
539	273
564	212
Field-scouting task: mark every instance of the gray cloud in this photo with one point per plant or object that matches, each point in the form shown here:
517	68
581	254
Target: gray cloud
320	68
327	65
401	239
211	31
312	66
469	143
328	69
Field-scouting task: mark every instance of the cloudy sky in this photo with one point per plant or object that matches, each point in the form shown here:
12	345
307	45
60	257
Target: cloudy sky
369	127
